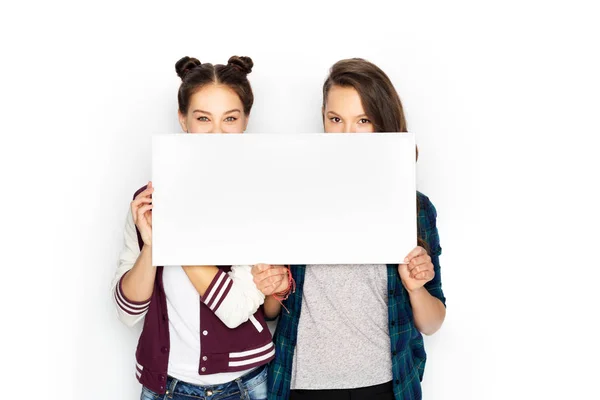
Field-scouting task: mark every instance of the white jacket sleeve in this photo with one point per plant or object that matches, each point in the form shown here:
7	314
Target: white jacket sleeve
233	296
129	312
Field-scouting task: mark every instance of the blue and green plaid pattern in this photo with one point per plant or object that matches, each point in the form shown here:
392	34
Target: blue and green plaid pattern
408	352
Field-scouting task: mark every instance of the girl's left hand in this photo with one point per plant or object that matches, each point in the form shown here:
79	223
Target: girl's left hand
417	269
270	279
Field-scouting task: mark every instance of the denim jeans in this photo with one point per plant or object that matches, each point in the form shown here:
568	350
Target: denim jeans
252	386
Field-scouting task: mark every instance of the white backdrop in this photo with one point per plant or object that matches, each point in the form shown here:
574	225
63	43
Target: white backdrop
503	98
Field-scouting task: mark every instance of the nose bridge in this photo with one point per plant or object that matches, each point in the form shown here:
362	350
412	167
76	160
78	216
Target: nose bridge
216	127
350	127
347	126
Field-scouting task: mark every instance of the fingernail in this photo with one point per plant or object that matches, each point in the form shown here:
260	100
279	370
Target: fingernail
406	260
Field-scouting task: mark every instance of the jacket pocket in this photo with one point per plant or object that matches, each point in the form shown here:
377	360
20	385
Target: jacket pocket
256	324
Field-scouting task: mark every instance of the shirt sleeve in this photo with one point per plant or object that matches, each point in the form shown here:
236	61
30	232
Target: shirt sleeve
429	217
129	312
233	296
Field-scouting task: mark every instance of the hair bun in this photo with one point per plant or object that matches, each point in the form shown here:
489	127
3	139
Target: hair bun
185	65
244	64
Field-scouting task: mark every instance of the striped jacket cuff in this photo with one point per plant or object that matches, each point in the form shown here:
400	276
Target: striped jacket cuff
217	290
129	306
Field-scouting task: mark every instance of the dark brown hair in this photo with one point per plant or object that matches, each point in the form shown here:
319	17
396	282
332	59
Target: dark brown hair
194	75
378	96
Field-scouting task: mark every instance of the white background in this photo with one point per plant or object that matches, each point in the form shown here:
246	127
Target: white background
503	96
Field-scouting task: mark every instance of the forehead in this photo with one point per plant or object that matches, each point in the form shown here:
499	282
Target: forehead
344	100
215	98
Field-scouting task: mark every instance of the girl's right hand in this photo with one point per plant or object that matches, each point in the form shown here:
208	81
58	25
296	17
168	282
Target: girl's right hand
141	209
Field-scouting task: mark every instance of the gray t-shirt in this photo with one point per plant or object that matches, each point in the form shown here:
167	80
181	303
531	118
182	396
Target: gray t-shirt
343	338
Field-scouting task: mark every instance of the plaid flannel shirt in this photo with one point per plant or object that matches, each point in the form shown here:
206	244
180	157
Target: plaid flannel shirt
407	350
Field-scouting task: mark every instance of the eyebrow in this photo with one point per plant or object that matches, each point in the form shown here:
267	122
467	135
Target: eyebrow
206	112
358	116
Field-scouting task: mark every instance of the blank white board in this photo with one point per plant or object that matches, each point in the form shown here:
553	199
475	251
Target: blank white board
225	199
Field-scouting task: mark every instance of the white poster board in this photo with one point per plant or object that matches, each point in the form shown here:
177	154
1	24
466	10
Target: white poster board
226	199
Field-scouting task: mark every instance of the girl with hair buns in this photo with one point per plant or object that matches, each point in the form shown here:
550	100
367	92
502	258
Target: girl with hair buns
355	331
204	333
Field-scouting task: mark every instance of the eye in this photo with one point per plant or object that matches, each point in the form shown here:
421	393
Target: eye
203	119
335	120
230	119
364	121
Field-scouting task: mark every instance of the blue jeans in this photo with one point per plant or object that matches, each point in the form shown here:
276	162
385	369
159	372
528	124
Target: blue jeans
252	386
